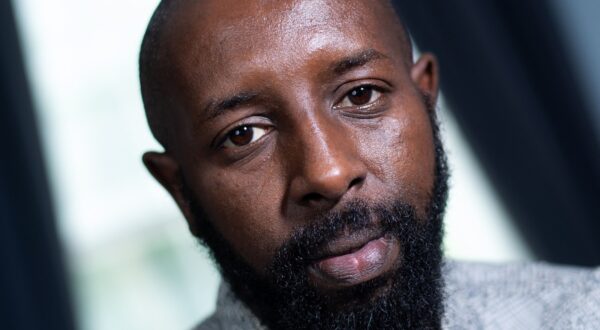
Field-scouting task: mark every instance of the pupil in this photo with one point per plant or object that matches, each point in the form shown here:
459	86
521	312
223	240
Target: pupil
361	95
241	136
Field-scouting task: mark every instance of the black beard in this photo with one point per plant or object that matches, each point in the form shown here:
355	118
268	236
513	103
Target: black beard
410	297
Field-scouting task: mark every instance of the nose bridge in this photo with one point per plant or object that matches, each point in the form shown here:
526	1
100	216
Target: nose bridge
324	146
328	165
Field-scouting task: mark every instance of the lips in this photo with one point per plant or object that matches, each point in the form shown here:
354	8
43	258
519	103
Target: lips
354	259
346	243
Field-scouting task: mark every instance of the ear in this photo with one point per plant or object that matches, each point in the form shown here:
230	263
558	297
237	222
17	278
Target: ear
165	169
425	75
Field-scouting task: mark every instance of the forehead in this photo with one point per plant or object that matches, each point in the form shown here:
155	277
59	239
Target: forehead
212	44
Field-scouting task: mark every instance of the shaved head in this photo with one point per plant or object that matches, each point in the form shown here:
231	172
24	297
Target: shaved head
155	64
152	61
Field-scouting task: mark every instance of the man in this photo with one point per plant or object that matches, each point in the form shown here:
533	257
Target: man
301	144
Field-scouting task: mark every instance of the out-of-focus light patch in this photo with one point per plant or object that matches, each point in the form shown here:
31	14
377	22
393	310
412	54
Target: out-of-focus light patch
477	227
82	60
158	279
579	25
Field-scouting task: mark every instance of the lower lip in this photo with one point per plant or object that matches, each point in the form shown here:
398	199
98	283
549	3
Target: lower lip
370	261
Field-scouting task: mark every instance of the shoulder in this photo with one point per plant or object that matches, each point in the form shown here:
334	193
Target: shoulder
211	323
228	320
532	276
526	295
230	314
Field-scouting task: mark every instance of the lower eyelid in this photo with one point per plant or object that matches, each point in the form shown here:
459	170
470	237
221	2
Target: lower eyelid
370	110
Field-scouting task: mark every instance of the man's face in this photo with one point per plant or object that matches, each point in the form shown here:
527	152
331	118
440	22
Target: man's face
291	113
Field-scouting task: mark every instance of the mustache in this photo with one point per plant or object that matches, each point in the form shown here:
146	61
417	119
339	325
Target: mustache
357	219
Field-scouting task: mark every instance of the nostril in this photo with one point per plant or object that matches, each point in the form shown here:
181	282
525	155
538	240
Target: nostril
312	197
318	197
356	182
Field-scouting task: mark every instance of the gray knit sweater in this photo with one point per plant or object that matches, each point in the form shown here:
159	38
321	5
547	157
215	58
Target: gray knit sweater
481	296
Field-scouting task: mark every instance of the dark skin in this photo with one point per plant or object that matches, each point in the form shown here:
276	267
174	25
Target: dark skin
281	110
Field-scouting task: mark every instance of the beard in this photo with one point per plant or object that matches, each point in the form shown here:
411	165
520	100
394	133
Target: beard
410	296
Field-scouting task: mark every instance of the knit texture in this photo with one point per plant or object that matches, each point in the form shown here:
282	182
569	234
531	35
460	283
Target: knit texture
482	296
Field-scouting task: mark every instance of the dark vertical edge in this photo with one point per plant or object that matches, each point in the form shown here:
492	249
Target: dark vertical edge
33	279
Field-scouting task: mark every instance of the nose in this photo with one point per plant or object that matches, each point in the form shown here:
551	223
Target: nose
327	166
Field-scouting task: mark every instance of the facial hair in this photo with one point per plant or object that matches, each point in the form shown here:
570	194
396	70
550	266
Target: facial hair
408	297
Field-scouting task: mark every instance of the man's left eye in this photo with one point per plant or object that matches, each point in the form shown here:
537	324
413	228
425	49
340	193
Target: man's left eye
360	96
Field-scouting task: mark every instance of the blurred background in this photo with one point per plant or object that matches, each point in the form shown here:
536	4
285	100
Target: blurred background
89	240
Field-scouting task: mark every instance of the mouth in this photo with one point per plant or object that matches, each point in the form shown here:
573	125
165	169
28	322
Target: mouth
354	259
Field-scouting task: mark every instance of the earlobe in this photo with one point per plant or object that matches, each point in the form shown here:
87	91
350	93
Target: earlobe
165	169
425	75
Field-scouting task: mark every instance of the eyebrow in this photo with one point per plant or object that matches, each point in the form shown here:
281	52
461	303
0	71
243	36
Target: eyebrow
356	60
217	108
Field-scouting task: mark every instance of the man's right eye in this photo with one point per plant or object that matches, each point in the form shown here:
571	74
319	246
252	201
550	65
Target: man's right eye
243	135
360	96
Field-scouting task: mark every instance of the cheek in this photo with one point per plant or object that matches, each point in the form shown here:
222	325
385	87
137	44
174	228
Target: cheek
243	207
401	154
